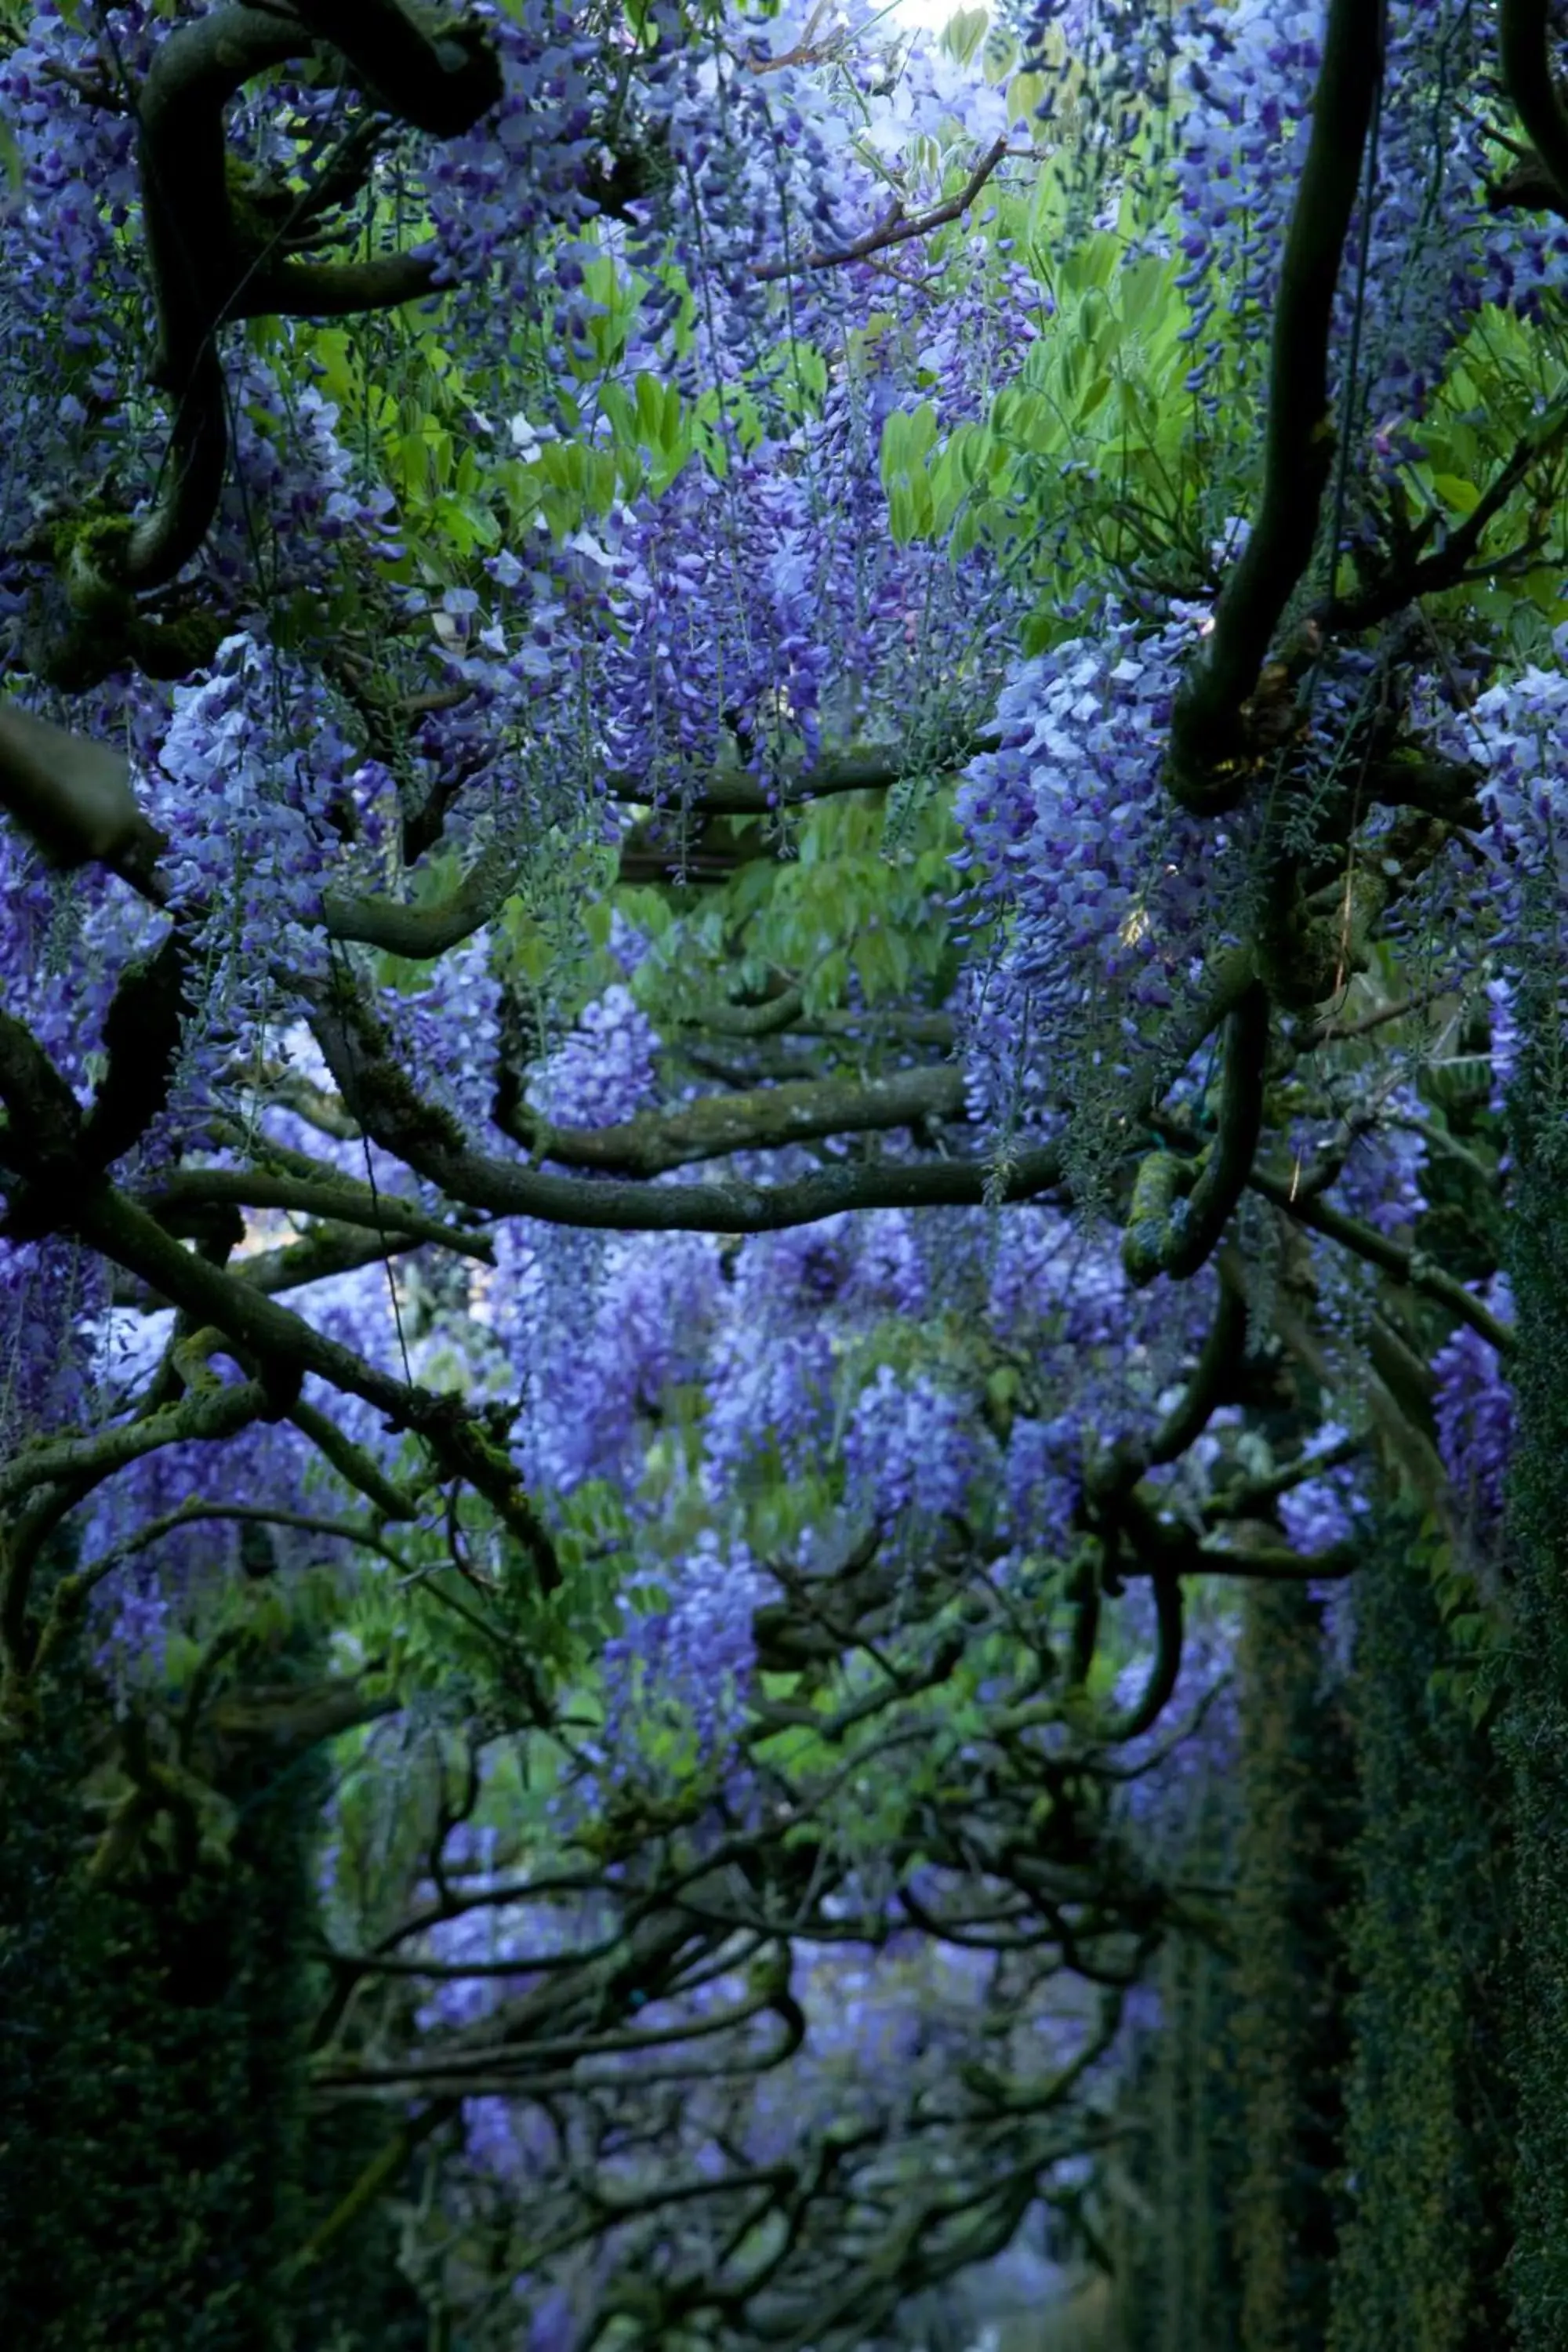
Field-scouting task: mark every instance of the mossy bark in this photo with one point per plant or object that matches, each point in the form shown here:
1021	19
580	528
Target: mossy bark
1427	2140
1299	1817
160	2168
1533	1732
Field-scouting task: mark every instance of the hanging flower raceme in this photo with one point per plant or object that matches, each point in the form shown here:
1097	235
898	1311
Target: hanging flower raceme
1474	1405
1105	896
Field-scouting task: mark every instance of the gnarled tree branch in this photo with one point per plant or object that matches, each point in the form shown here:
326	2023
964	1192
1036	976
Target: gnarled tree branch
1209	764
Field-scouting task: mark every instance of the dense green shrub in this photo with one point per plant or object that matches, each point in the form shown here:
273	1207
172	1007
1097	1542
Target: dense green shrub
1297	1819
159	2164
1428	2144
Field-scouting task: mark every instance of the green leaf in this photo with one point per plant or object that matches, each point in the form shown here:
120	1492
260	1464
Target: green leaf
1456	493
1093	397
1144	289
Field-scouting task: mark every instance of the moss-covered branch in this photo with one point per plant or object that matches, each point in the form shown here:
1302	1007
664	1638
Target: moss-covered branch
334	1198
72	796
215	1411
763	1119
381	1098
1181	1208
1407	1265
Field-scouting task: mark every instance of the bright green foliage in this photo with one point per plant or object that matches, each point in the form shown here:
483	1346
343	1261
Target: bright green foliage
1093	459
1504	391
851	899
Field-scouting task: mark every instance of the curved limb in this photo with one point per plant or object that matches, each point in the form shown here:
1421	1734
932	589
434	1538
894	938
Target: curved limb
1209	766
209	267
1161	1237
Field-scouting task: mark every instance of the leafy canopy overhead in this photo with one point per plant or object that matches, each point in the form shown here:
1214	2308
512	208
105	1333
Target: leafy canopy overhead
778	800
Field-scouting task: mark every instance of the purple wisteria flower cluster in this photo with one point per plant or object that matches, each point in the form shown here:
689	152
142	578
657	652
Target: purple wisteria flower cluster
722	1582
1431	252
692	1653
1474	1407
1105	895
603	1072
911	1448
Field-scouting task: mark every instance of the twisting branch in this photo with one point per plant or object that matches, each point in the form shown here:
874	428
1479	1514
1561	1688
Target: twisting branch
111	1221
72	796
42	1140
763	1119
380	1094
327	1195
354	1464
1428	575
1168	1235
1165	1666
1131	1458
441	78
1528	187
850	771
1249	1497
1117	1513
214	1409
1209	764
421	933
190	243
1277	1564
1405	1264
322	1251
768	1019
217	255
1334	1030
1525	51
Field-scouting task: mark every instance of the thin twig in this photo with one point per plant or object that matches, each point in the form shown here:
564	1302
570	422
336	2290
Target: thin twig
892	230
